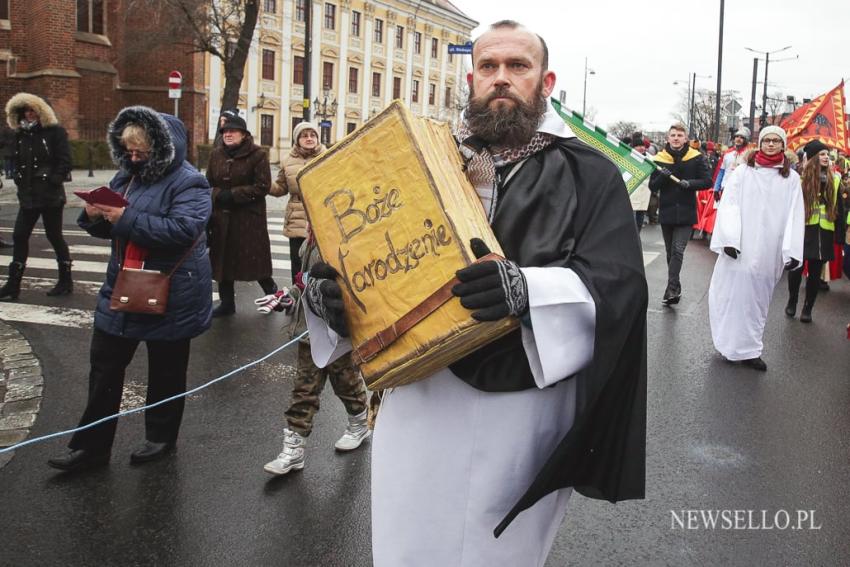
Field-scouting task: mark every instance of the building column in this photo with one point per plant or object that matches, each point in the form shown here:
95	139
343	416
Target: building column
216	66
252	117
389	38
411	27
285	77
342	74
367	68
443	58
426	45
317	25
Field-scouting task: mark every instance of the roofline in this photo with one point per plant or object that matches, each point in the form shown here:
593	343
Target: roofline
422	5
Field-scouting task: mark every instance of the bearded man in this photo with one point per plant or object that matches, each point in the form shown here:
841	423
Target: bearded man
474	465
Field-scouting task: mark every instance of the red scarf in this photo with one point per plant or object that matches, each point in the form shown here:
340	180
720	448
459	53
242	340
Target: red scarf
770	161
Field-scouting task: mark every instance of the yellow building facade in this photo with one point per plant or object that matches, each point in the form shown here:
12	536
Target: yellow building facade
364	55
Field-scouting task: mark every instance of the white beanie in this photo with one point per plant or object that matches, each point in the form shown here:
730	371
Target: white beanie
300	128
773	130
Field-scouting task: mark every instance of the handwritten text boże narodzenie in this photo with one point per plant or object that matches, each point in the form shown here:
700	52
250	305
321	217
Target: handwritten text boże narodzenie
352	218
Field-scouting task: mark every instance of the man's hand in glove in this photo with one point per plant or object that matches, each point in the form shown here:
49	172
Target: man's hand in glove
664	171
493	289
324	297
684	183
792	264
731	252
225	198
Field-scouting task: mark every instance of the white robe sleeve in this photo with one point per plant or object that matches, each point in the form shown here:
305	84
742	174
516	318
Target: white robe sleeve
727	226
563	321
325	345
795	229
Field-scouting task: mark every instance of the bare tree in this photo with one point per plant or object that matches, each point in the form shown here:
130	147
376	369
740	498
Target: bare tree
702	113
222	28
623	128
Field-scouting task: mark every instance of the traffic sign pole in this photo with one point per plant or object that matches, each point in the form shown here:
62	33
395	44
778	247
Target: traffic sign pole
175	80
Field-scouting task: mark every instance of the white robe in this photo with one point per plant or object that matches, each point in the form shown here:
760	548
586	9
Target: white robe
761	215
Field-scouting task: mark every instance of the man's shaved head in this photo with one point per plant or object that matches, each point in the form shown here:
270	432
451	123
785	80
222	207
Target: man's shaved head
513	25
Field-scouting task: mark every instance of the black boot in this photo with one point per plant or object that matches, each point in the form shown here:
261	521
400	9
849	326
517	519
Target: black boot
12	288
791	308
227	295
809	303
65	285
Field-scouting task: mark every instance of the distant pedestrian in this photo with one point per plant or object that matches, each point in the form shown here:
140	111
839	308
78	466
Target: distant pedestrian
240	249
759	231
677	204
162	226
309	382
640	196
824	209
42	161
734	157
305	146
225	115
7	151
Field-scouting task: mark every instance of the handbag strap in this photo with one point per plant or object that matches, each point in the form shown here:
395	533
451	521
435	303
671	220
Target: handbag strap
183	258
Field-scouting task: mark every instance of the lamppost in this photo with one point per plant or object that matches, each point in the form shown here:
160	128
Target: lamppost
584	97
325	109
763	117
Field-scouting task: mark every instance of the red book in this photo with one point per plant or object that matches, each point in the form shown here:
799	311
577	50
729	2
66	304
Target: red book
102	196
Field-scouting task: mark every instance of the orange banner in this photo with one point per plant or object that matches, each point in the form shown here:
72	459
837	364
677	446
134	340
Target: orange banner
822	119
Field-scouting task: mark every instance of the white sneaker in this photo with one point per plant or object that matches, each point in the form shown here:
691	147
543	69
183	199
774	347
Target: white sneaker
356	432
292	456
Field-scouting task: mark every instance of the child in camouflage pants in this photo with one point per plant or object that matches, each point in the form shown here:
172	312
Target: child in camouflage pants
309	383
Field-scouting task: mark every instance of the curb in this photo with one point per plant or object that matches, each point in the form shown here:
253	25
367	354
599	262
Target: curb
21	385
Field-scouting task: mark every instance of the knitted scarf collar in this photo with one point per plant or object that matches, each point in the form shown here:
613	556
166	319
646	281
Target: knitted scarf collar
765	160
482	160
677	155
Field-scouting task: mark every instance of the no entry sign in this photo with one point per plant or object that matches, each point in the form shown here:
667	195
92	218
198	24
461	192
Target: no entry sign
175	81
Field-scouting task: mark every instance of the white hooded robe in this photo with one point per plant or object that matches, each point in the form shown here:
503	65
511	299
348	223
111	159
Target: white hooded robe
762	216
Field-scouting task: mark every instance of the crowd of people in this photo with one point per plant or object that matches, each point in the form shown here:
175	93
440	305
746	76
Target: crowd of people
577	356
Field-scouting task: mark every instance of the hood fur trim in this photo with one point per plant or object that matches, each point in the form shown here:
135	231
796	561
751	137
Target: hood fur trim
162	144
16	105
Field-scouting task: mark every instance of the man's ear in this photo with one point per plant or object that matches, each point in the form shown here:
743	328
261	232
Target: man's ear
469	79
548	83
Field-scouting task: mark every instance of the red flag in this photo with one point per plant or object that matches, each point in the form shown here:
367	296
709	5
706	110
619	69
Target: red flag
822	119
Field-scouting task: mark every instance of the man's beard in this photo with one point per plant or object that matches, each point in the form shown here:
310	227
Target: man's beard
505	126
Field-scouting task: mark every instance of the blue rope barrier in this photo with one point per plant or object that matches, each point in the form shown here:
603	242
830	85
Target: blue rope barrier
159	403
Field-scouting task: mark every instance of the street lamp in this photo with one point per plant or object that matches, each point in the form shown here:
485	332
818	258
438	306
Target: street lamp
763	118
584	97
325	109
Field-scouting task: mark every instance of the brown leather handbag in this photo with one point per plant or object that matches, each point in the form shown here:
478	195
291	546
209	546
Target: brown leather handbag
143	291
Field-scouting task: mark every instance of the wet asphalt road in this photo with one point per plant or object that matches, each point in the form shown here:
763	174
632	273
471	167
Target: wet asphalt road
720	437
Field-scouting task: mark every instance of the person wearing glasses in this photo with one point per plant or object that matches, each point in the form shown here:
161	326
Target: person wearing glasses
42	161
163	225
759	231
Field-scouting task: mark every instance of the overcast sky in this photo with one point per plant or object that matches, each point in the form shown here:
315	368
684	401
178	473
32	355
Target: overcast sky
638	49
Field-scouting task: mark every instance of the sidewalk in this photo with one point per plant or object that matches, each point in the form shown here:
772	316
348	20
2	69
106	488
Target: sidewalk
21	383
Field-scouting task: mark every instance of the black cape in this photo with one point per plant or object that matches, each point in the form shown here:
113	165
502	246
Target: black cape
567	206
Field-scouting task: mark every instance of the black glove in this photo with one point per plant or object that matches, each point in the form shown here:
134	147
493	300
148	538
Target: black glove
225	198
494	289
792	264
731	252
665	171
324	297
684	183
717	195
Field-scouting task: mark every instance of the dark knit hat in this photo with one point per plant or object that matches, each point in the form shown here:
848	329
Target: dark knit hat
814	147
234	123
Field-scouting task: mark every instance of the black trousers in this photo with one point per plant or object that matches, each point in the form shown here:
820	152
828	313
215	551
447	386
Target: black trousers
294	256
675	241
51	217
110	356
795	278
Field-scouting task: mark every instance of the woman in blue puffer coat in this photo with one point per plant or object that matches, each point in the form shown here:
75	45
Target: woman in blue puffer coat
165	220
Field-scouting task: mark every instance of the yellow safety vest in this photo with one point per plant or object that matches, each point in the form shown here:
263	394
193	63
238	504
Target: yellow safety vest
819	215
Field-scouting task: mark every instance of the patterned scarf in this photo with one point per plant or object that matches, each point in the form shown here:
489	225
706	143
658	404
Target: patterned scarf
482	162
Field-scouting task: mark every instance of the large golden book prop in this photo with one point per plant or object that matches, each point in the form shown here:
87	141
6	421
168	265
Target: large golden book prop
393	212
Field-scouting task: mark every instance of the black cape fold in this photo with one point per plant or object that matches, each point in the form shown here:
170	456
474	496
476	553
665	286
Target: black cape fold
568	207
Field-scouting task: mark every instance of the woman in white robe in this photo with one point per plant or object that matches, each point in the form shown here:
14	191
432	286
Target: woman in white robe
759	231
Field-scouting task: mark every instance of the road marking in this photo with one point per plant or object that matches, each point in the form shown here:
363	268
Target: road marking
47	263
46	315
88	249
648	257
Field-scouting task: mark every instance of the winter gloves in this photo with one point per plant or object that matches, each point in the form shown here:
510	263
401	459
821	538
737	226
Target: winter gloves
792	264
281	300
225	198
731	252
324	297
492	289
683	183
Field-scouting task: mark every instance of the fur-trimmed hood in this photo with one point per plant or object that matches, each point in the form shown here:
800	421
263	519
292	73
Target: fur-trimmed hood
167	135
16	105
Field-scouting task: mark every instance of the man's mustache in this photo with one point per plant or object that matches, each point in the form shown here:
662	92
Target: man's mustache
502	92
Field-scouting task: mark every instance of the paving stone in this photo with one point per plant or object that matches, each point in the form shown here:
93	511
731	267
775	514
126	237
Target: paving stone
12	436
6	351
26	380
20	356
20	421
9	343
23	406
16	392
5	458
21	363
26	372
